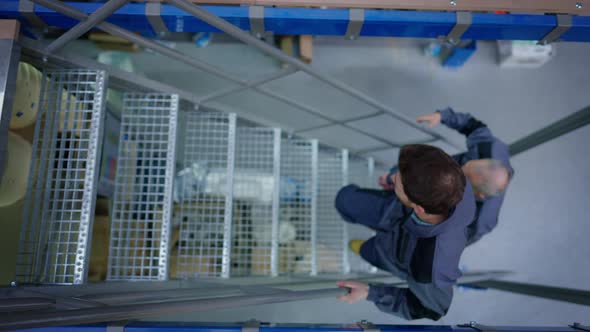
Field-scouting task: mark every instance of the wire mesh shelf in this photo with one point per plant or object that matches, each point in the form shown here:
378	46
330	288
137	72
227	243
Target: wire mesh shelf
60	199
331	237
204	193
297	213
256	188
142	204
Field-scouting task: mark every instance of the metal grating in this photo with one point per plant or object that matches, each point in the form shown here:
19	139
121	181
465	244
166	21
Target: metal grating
359	173
60	199
331	249
143	190
297	215
204	191
255	228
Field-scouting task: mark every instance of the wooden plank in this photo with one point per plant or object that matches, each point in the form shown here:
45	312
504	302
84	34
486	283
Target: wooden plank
9	29
306	48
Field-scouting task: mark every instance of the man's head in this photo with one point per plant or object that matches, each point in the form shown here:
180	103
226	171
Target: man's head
488	177
428	180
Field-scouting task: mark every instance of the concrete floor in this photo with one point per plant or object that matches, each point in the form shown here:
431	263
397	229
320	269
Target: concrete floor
542	237
542	234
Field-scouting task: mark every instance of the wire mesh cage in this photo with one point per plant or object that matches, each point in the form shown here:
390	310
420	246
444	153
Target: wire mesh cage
204	193
297	206
359	173
142	204
245	201
59	204
256	192
331	250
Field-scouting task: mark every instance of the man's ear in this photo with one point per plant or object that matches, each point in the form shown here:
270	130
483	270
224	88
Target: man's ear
418	209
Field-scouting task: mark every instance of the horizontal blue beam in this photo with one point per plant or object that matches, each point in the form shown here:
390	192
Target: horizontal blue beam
315	21
220	327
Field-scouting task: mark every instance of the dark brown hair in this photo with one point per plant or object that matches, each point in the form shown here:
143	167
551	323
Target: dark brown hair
431	178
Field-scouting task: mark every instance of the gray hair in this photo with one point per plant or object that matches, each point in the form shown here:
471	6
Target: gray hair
490	187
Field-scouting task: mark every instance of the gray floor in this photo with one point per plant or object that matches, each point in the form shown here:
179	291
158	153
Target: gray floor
543	229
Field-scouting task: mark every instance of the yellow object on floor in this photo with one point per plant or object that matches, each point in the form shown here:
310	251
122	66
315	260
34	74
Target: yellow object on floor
355	246
13	185
26	97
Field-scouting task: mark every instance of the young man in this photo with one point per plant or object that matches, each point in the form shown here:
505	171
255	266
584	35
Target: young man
420	232
486	165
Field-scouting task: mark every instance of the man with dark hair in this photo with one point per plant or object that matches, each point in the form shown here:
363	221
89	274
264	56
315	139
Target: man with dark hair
420	232
486	165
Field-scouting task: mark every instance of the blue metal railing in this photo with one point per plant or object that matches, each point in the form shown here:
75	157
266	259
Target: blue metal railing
315	21
213	327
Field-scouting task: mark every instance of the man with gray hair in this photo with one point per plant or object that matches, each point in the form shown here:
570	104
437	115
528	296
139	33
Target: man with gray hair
486	164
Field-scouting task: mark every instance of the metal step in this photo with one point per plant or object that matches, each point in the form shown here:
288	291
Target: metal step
245	201
61	194
256	202
205	212
332	252
142	207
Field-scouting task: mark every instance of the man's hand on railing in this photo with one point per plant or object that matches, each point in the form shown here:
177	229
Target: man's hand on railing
383	182
358	291
432	119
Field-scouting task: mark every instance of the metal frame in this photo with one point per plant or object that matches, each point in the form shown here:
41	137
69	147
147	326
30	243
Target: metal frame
114	30
167	206
253	41
274	260
255	326
345	232
334	21
552	131
248	85
231	151
544	6
84	304
129	311
564	23
153	12
577	296
27	8
314	206
91	178
332	122
32	52
84	26
245	37
256	18
11	53
355	23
